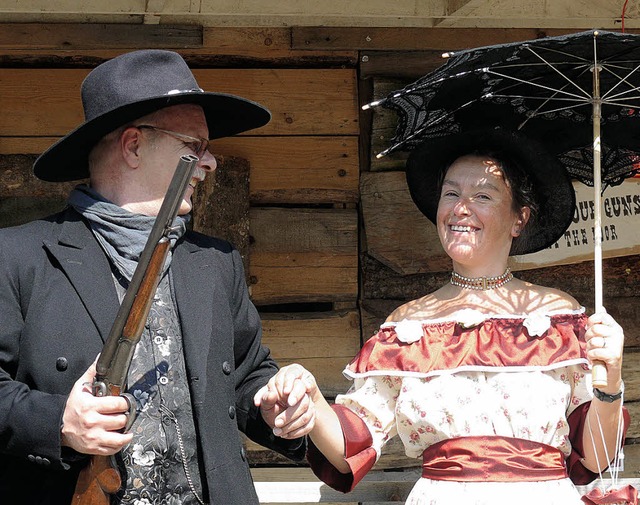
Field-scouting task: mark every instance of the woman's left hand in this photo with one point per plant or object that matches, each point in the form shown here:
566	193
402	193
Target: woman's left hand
605	341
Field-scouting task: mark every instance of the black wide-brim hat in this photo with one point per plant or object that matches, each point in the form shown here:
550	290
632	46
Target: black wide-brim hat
133	85
551	182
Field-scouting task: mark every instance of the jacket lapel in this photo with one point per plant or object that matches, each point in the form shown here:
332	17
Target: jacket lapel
87	268
194	299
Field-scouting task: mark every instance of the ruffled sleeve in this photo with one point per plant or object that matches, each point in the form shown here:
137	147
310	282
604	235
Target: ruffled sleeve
578	474
359	454
367	418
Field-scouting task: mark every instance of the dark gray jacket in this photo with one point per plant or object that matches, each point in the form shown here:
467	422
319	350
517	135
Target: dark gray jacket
57	304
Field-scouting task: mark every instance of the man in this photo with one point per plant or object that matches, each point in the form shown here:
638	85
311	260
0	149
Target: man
199	363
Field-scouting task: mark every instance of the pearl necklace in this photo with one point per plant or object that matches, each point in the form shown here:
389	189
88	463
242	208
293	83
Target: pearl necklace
481	283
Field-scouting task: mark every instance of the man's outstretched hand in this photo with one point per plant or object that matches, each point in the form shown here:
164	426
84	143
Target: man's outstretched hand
286	402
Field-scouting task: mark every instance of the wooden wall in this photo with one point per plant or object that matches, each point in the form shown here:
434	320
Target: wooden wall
328	234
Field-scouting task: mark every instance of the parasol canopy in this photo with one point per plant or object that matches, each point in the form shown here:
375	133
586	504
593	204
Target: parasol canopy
546	88
561	91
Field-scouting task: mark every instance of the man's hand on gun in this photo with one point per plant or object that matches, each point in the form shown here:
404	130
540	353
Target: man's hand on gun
286	402
91	424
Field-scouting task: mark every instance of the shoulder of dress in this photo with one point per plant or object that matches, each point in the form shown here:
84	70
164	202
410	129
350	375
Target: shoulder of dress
460	316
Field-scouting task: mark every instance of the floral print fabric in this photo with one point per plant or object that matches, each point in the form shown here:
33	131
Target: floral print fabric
425	407
532	405
157	379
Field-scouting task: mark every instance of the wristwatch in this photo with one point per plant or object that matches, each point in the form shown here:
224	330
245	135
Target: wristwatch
606	397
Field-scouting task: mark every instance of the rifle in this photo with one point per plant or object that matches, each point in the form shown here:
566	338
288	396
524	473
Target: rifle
101	477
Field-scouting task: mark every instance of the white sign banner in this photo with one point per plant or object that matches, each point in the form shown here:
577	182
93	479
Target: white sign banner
620	212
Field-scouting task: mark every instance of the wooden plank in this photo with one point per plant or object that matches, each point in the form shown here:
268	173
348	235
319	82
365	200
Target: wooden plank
311	334
46	102
256	40
302	277
302	255
634	412
631	375
74	36
383	127
17	211
307	170
195	58
323	342
408	65
24	198
411	38
302	102
72	45
270	44
25	145
619	274
626	311
398	234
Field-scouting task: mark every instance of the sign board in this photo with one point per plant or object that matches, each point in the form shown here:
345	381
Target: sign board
620	228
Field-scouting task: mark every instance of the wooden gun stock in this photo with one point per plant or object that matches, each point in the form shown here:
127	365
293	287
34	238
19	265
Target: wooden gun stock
102	477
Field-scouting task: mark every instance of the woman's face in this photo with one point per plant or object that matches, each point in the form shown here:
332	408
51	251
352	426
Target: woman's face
476	220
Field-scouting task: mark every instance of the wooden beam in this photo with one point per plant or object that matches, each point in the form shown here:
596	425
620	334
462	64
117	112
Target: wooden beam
306	170
407	65
45	102
88	44
453	6
323	342
397	233
77	36
411	38
312	334
303	255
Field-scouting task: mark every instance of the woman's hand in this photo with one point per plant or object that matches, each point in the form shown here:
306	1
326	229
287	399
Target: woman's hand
605	342
286	402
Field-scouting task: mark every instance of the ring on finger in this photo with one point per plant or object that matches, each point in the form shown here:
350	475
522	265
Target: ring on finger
604	343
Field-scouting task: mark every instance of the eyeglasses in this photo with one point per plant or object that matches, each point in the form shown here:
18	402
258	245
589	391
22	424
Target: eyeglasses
198	145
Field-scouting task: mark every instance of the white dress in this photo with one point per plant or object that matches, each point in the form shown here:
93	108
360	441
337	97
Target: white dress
430	381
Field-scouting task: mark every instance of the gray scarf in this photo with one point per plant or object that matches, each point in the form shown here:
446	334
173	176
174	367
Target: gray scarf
121	234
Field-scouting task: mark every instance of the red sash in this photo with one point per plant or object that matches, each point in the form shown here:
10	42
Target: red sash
492	459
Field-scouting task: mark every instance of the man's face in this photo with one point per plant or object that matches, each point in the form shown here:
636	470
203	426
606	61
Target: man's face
160	152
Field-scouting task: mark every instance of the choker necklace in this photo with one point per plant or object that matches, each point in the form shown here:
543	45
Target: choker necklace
481	283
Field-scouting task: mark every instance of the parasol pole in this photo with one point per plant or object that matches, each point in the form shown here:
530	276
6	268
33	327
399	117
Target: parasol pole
599	370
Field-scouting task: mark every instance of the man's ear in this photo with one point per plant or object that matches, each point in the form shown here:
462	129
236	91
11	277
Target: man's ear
130	145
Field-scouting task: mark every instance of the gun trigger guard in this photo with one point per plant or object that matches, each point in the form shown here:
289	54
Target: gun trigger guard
131	411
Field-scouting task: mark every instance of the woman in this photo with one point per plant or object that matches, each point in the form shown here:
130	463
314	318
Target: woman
488	377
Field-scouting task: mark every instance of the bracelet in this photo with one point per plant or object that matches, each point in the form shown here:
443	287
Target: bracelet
606	397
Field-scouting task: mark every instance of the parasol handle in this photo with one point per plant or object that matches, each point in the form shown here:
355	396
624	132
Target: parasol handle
599	374
598	370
